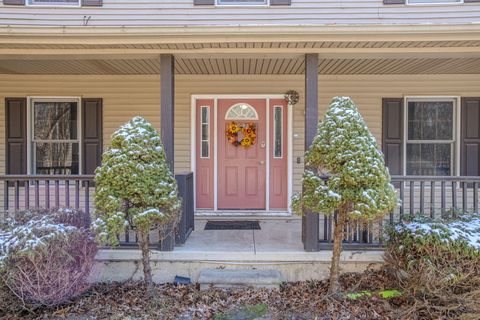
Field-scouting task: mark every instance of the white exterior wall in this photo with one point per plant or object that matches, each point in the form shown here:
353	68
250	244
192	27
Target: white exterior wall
184	13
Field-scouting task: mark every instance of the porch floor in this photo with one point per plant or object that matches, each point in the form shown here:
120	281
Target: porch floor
276	235
276	246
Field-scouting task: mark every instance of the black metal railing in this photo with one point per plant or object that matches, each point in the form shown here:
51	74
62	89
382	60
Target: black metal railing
22	192
432	196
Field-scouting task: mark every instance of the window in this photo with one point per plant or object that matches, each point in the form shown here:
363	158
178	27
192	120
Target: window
433	1
241	111
72	3
430	142
278	132
242	2
205	134
54	136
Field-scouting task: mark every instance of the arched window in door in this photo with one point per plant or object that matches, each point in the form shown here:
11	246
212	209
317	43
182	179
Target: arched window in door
241	111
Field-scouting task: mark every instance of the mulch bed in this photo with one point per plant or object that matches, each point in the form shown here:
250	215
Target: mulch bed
300	300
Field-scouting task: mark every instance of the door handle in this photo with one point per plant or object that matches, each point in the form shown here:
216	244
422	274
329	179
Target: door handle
262	162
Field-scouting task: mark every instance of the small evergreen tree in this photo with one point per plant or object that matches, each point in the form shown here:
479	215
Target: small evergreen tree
358	187
135	189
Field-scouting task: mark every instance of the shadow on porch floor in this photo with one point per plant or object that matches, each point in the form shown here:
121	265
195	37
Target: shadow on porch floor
276	235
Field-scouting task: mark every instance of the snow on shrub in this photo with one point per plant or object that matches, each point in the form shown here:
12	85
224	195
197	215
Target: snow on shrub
136	189
46	255
462	231
358	186
437	262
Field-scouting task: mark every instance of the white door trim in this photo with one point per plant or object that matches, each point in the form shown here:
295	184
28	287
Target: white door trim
193	126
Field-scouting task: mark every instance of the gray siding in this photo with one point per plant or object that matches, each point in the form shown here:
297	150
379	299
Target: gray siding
184	13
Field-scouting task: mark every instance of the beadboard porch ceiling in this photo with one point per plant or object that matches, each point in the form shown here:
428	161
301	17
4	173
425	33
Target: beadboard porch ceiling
222	57
245	65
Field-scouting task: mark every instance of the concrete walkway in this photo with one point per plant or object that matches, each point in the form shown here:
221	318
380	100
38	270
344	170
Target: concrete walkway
276	235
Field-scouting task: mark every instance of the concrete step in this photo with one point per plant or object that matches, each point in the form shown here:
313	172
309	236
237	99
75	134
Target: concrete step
238	278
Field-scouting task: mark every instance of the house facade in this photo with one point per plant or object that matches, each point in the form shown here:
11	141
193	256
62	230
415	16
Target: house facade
72	71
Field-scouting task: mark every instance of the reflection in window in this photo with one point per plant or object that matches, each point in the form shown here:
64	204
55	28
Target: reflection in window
277	132
55	138
433	1
205	132
53	2
242	2
241	111
430	138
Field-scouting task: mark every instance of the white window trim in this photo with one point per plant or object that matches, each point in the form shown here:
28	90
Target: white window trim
55	5
30	115
201	131
456	128
281	132
434	3
218	4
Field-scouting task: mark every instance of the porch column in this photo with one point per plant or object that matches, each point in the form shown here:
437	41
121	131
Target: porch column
310	220
167	108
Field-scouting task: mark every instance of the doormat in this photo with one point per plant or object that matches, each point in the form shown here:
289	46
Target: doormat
232	225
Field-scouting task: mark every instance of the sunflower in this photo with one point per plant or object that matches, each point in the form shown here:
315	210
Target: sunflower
233	127
246	142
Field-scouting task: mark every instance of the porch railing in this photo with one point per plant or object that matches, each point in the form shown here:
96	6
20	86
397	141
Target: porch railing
21	192
431	196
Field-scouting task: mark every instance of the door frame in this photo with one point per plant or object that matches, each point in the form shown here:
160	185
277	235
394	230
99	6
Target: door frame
193	141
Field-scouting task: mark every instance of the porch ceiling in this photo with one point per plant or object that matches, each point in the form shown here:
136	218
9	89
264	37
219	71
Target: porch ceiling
245	65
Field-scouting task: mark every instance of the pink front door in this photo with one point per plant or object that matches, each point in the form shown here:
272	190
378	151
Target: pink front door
242	170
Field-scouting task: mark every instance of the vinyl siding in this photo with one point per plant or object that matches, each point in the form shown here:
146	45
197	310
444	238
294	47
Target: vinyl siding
184	13
128	96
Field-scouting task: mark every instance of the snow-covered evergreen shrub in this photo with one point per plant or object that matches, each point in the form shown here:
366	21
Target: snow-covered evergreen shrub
437	261
135	188
359	183
46	255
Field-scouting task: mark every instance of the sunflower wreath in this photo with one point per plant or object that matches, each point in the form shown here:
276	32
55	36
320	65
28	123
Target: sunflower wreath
247	132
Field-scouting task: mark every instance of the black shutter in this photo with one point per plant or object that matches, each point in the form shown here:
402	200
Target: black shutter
204	2
16	135
392	134
14	2
470	137
280	2
92	3
92	133
393	1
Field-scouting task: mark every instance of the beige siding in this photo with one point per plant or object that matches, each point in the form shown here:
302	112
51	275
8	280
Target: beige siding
123	97
183	13
127	96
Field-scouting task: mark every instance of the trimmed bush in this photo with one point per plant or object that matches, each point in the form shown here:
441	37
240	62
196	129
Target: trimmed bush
136	189
358	186
46	255
437	262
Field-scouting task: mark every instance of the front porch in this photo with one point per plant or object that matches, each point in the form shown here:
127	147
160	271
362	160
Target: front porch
382	77
279	237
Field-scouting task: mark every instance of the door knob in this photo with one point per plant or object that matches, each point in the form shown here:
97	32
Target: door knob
262	162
